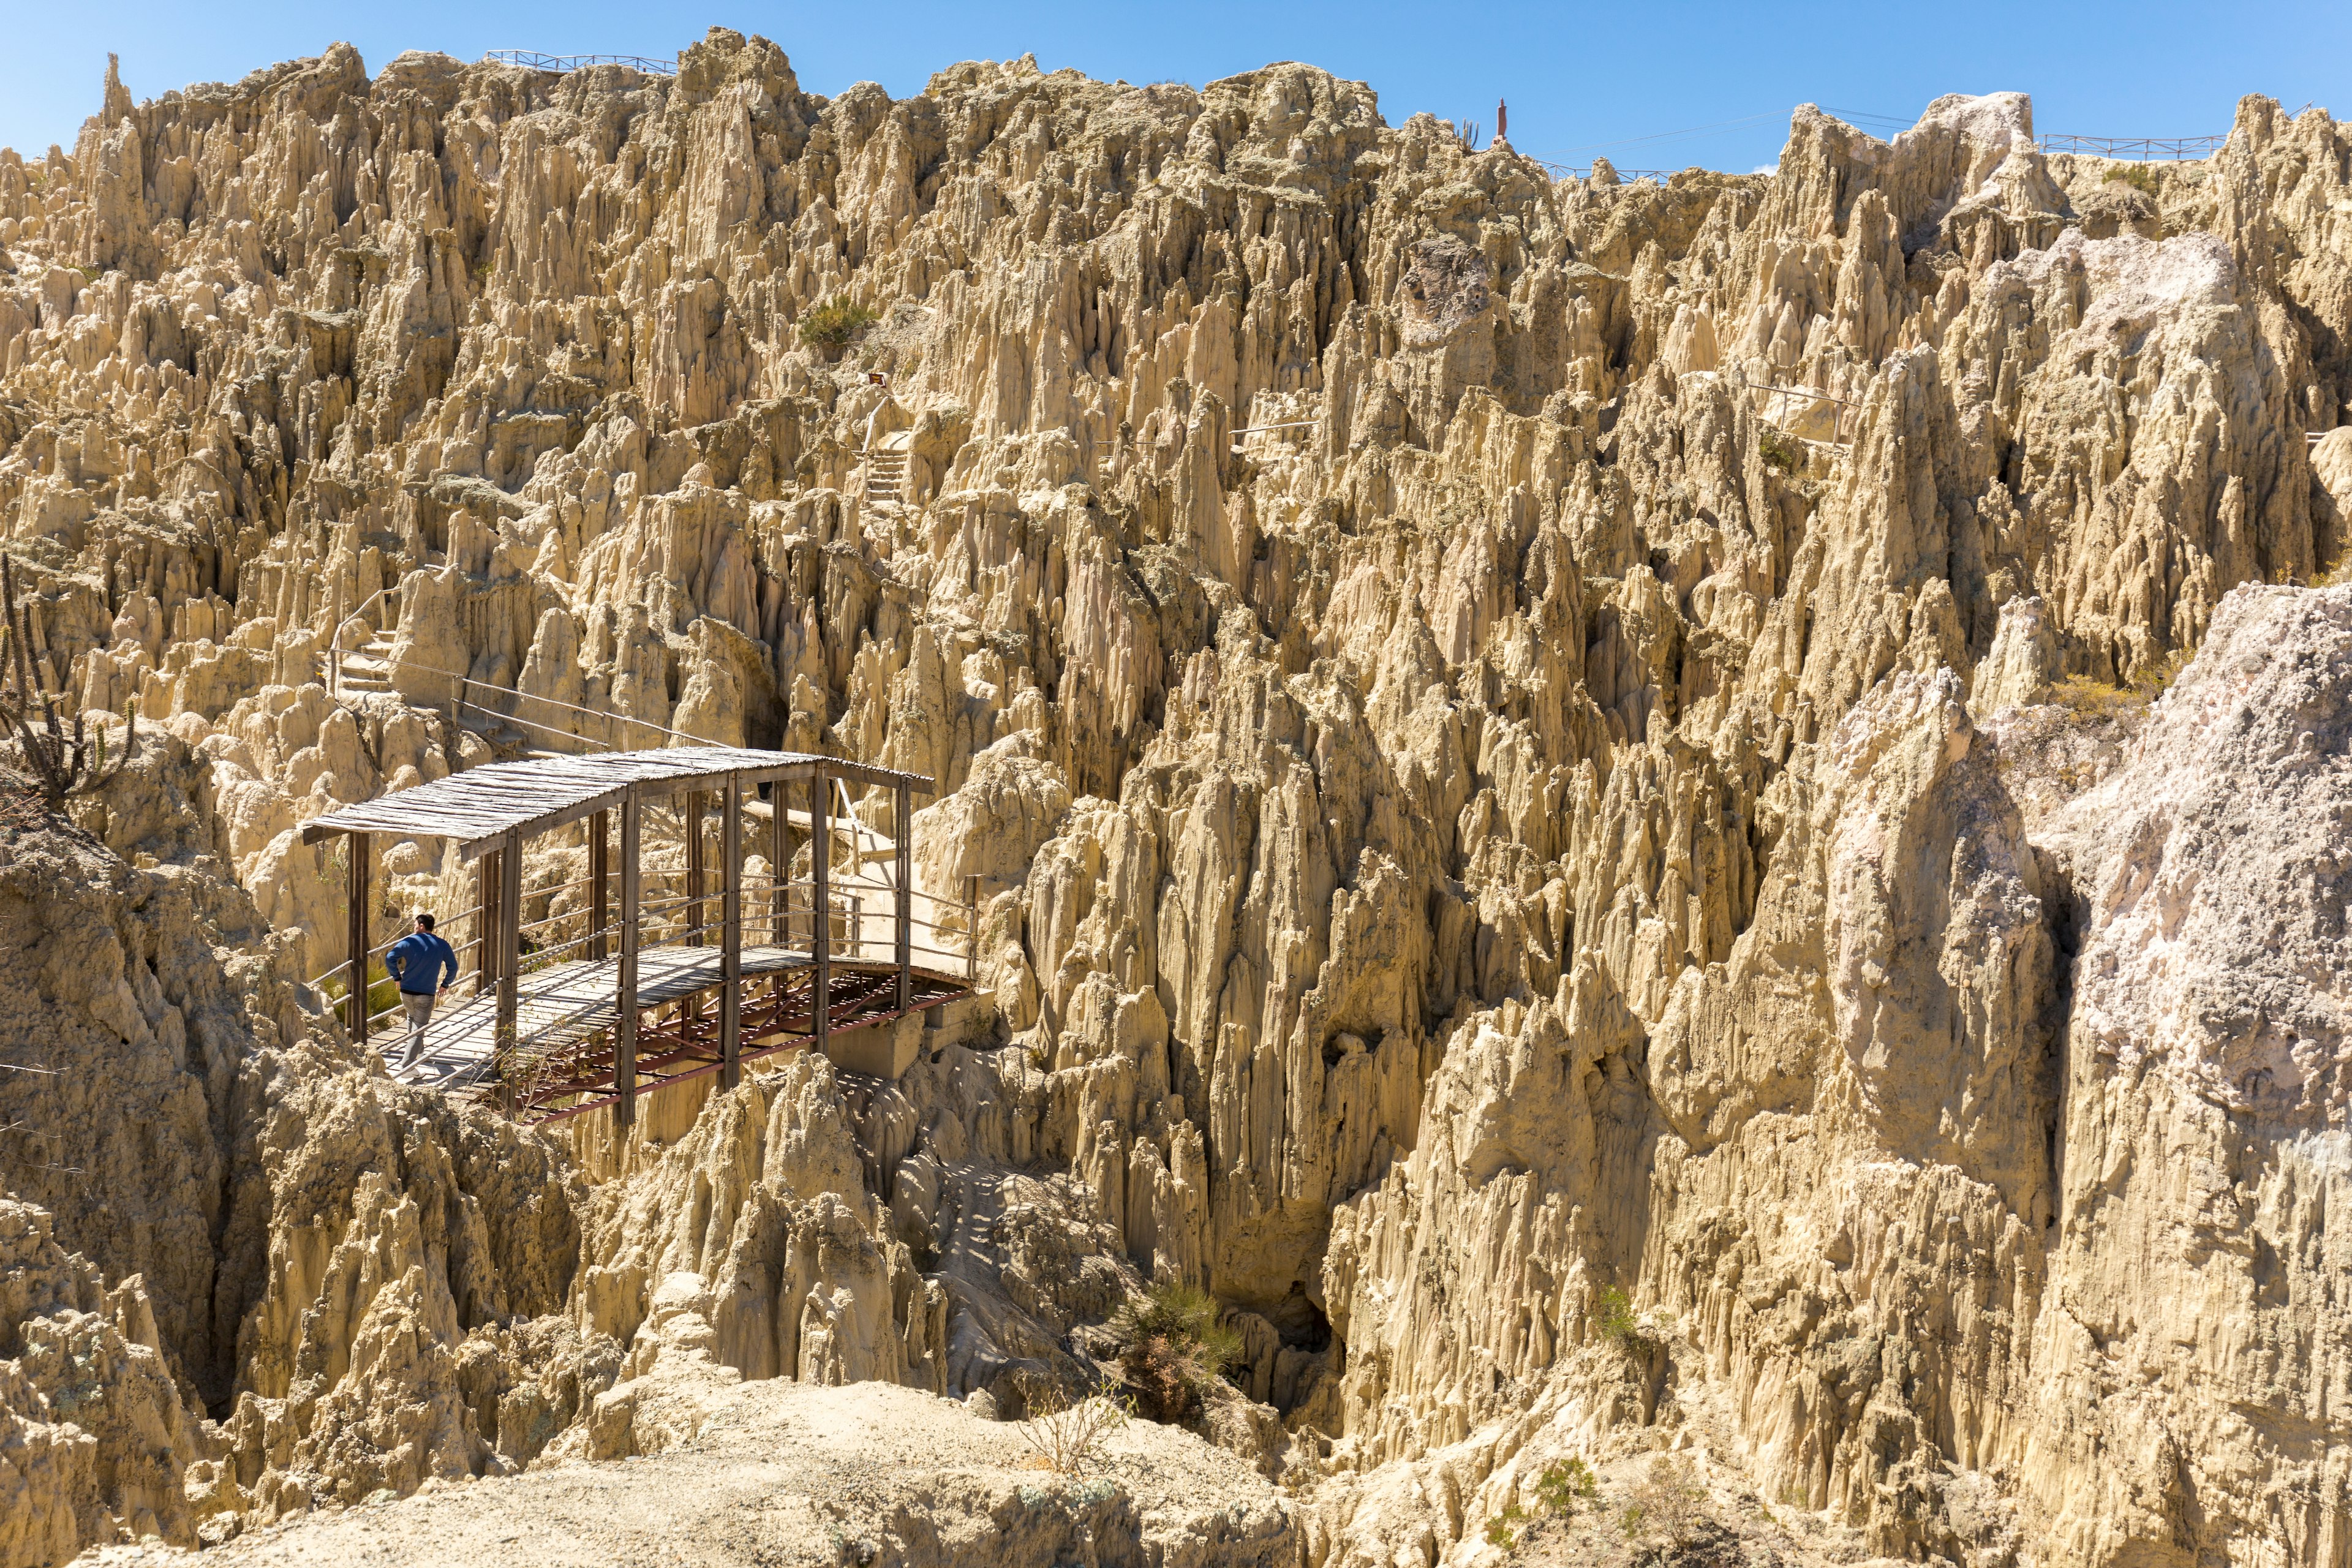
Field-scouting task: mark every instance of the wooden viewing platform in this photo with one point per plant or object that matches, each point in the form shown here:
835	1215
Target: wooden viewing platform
580	1009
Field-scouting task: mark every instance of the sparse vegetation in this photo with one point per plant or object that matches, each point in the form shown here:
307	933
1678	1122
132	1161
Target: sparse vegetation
1174	1350
2098	701
831	324
1783	451
62	761
2139	176
1565	1484
1668	1506
1560	1489
1619	1321
1066	1436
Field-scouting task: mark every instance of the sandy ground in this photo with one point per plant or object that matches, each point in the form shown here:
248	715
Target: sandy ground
869	1475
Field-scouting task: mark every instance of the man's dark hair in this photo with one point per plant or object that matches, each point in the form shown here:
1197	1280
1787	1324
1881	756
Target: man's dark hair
425	921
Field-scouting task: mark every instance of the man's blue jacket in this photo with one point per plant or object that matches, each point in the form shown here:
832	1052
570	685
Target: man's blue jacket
419	956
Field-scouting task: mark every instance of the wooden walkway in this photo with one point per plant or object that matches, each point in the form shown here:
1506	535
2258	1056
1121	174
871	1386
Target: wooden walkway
563	1022
565	1016
564	1004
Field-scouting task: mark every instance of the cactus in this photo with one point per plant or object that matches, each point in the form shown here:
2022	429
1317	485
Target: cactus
63	762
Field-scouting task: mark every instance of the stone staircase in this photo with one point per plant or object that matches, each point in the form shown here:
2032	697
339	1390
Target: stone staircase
886	475
367	667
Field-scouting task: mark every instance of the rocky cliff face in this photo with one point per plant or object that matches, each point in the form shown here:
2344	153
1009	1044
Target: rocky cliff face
1567	779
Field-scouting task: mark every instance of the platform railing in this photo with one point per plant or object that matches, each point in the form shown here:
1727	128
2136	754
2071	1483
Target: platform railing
777	913
861	941
533	59
2136	149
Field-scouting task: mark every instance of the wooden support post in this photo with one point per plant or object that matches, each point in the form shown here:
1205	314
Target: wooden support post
698	806
731	934
820	907
624	1023
510	930
971	930
905	911
780	867
780	861
485	921
600	875
359	855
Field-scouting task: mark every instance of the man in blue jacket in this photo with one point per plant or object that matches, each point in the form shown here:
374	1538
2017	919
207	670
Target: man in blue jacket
418	963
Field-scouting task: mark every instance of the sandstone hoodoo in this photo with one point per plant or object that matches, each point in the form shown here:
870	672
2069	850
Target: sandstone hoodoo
1179	828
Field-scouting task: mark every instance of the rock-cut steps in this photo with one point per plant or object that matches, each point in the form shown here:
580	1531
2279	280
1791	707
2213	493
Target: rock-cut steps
886	475
366	669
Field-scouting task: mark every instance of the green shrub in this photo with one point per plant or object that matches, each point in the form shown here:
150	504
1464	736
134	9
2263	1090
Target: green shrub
2139	176
1564	1484
831	324
1783	451
1619	1321
1172	1349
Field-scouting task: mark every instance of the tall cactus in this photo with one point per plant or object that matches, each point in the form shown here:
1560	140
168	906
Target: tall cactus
62	762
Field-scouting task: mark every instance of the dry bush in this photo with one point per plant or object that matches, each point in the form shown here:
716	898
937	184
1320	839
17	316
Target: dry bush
1173	1348
1066	1436
1669	1507
2097	700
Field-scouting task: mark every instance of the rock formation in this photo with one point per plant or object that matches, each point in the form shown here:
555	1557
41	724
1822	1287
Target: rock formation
1693	825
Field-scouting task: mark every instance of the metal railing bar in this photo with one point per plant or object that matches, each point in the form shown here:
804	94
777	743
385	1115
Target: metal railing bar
533	59
2141	149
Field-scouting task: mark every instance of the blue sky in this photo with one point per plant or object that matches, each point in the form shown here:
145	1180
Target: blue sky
1654	86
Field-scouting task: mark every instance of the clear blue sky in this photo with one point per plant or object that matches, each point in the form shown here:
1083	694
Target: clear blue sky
1580	77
